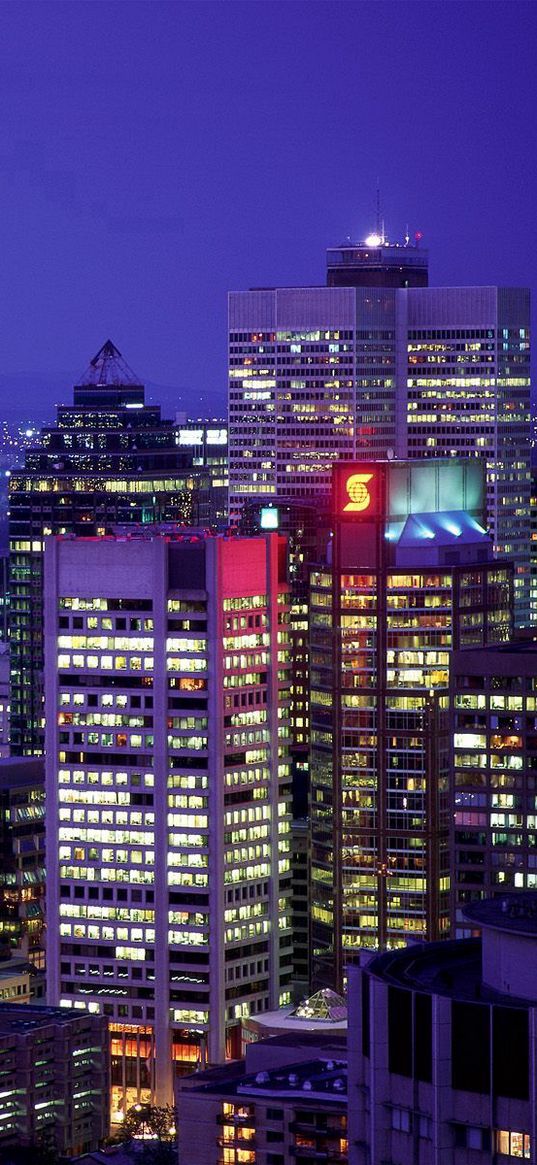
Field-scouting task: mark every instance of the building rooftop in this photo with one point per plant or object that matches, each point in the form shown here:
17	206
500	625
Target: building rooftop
14	965
26	1017
318	1078
514	915
523	645
109	369
452	968
325	1010
18	771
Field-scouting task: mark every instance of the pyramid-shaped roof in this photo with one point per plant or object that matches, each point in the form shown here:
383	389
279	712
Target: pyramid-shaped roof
325	1005
108	368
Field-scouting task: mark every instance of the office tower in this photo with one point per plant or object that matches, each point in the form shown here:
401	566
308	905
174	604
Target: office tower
306	525
533	558
411	578
318	375
442	1045
168	793
4	699
54	1079
467	376
494	709
22	856
109	459
312	381
206	442
4	594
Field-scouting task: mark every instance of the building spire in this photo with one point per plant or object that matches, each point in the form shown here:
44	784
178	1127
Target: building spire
108	368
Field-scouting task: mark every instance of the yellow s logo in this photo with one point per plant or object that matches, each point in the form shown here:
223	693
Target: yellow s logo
356	486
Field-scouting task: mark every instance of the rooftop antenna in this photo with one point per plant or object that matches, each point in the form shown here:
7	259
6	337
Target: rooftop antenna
407	236
377	238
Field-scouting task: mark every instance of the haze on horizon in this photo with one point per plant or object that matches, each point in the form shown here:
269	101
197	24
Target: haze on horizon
156	155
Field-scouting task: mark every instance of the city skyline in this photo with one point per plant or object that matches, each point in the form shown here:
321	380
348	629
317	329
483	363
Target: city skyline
158	155
268	609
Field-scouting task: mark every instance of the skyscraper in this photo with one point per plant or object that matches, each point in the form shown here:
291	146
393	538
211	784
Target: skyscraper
410	578
467	376
168	793
494	836
205	440
109	459
367	368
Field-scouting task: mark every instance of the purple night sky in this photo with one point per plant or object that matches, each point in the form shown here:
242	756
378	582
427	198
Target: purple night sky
156	155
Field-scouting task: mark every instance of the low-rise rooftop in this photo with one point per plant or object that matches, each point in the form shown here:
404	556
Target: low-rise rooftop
318	1078
25	1017
516	914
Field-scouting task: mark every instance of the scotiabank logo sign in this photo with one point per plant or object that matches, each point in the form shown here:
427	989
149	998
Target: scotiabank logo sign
355	490
358	493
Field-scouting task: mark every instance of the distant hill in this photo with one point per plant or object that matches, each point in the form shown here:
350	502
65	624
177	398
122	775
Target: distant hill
27	397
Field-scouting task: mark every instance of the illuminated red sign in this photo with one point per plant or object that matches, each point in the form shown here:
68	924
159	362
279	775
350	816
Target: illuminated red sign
359	497
356	490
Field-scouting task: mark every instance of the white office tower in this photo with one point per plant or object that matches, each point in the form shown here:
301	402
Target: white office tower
168	794
466	355
320	374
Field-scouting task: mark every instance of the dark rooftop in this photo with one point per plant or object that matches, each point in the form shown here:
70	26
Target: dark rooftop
516	914
326	1078
17	771
25	1017
317	1078
451	968
521	645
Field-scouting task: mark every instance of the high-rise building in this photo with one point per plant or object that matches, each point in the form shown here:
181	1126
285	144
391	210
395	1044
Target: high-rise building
109	459
494	709
311	381
533	552
366	368
168	793
22	856
306	525
464	389
411	577
206	442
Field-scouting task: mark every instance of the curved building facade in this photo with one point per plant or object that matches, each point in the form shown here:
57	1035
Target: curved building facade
443	1046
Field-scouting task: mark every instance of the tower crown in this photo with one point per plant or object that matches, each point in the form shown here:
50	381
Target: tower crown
108	369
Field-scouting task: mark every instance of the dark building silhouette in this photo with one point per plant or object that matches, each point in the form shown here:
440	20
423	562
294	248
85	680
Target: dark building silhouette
110	459
22	856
